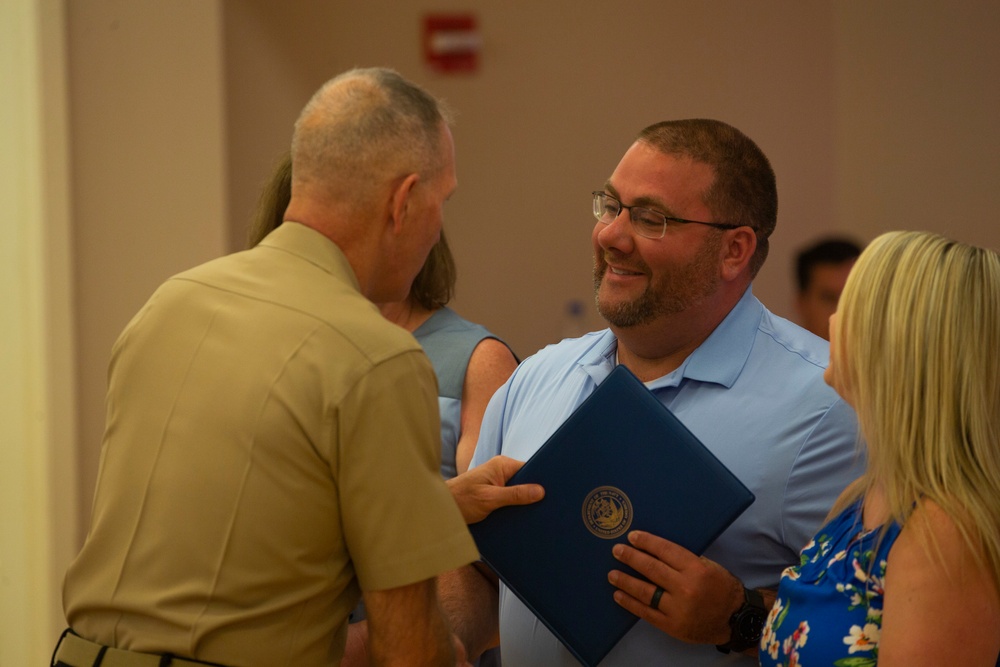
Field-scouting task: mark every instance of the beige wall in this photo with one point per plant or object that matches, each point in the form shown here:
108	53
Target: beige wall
875	115
562	90
917	139
38	493
148	171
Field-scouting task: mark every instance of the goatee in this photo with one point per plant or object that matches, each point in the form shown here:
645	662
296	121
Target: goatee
674	290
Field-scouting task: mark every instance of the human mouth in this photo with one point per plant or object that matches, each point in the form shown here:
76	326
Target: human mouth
623	272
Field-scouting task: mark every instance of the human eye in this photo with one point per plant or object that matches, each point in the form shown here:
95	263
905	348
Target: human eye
648	221
606	207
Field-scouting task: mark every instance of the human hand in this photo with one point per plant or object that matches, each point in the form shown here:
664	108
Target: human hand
699	595
483	489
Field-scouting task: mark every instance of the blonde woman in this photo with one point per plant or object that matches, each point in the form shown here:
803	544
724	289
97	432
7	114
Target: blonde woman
906	572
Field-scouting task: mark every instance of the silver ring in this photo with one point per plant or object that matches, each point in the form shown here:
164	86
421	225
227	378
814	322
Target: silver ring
657	594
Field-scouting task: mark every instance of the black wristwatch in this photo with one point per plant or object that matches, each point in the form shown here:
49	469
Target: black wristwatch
747	624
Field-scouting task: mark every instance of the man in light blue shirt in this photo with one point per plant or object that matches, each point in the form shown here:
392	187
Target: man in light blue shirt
683	227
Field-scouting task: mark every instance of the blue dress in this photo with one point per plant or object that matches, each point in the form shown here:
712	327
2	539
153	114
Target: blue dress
829	607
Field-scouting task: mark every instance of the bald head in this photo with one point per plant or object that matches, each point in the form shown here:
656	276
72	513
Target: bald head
359	132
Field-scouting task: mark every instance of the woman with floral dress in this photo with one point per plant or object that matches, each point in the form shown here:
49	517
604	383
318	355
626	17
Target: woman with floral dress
907	571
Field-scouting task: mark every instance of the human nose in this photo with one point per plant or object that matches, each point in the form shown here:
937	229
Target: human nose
617	233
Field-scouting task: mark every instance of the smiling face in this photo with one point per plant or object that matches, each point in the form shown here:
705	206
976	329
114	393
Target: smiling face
638	280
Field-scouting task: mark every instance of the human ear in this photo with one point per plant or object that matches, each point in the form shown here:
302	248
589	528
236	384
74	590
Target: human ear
400	200
738	248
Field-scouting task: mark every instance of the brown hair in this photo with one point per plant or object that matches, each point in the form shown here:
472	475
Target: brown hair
744	191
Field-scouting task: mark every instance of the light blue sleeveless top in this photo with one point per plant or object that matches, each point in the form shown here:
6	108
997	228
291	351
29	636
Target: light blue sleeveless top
449	340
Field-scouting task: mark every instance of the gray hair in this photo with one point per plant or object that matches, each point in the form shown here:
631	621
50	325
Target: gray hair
363	129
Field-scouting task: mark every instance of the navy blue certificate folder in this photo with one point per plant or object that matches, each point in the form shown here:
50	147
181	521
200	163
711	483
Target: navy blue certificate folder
620	462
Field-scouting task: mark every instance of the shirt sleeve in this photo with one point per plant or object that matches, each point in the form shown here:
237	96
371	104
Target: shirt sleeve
830	459
401	523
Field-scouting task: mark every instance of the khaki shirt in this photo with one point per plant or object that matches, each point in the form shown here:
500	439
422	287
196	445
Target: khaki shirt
272	445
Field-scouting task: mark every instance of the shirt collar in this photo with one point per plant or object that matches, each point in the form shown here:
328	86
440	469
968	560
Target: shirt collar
599	360
312	246
721	357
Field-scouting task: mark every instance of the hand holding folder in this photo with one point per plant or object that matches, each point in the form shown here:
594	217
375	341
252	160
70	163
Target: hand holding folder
693	606
620	462
485	488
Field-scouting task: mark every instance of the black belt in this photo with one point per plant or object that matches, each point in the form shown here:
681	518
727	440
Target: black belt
75	651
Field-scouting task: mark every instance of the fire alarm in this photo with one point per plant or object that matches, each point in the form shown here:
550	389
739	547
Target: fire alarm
451	42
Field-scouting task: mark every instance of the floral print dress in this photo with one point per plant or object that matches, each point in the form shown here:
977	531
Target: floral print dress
829	607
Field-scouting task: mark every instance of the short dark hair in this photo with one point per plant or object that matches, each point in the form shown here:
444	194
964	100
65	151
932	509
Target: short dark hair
744	191
825	251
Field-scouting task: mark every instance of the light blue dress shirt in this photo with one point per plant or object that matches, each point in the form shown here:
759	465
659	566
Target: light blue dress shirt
753	392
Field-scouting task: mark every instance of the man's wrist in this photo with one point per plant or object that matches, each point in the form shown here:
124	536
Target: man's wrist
747	623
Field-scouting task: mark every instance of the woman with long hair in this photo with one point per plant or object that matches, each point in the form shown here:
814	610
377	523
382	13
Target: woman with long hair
907	571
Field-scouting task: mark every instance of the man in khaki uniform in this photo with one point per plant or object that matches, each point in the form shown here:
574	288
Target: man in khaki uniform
272	442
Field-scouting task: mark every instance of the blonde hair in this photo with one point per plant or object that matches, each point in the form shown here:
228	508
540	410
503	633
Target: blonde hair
919	326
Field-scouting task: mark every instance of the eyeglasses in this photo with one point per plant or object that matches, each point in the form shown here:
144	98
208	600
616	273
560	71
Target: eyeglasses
646	222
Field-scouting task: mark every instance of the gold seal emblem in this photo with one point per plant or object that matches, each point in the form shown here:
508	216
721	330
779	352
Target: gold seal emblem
607	512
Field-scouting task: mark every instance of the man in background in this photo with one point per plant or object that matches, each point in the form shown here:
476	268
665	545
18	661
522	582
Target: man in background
821	271
272	442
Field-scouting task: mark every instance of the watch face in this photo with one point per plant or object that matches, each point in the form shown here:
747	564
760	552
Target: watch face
750	624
